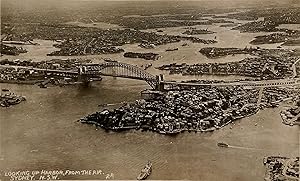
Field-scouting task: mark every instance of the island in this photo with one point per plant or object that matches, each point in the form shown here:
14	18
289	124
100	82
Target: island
146	56
197	32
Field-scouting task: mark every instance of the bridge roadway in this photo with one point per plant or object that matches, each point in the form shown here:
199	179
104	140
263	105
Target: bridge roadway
263	83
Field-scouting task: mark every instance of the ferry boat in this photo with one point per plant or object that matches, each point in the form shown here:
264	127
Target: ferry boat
221	144
146	171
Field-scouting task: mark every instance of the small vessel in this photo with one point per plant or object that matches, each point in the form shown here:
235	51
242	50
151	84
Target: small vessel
171	49
221	144
185	44
5	90
145	172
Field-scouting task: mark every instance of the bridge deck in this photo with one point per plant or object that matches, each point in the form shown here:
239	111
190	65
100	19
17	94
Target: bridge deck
265	83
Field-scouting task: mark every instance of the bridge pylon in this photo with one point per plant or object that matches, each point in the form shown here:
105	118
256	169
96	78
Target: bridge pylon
260	95
160	83
294	67
82	76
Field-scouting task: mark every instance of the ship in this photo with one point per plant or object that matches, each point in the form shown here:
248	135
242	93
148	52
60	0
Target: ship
221	144
145	172
170	49
5	90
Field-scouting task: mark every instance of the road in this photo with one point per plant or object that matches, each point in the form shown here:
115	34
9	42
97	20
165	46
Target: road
262	83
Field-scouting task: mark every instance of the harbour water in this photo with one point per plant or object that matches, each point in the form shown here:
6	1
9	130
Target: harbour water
190	54
42	133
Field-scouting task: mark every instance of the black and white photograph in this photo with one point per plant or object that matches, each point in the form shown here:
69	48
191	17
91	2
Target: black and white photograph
164	90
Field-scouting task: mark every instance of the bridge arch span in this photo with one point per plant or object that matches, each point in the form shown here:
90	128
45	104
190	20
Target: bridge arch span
124	70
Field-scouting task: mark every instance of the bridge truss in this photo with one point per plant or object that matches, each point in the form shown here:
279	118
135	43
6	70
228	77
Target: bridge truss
117	69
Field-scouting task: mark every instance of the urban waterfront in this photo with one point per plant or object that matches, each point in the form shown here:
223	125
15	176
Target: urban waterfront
42	133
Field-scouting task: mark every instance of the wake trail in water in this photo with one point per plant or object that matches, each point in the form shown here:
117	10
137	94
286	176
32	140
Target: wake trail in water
244	148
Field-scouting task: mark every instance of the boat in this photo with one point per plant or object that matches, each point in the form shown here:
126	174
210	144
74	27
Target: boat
145	172
185	44
170	49
221	144
5	90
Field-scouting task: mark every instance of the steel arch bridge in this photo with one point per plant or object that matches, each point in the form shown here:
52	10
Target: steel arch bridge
117	69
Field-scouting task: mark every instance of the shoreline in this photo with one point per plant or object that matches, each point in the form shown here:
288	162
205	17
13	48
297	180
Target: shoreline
26	82
141	128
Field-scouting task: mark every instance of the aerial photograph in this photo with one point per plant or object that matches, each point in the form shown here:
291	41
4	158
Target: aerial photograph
204	90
